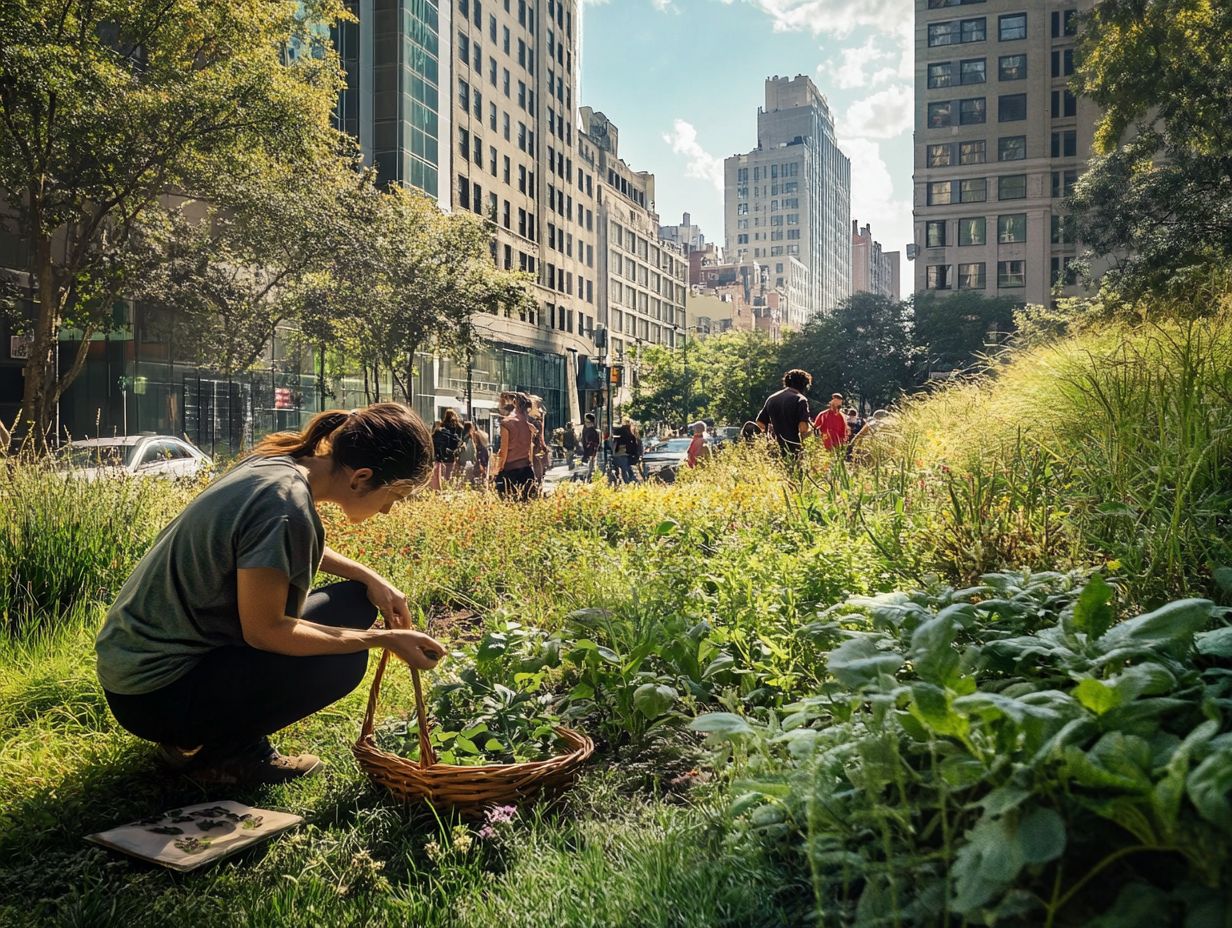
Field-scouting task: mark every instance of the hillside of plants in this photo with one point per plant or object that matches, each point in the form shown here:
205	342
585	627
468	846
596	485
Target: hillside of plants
979	675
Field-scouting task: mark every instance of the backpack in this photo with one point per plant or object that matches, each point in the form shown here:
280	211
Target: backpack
451	444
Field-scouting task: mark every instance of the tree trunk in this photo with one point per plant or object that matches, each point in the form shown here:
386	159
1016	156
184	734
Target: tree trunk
38	396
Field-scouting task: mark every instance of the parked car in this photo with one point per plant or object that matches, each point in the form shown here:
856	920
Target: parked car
663	459
133	455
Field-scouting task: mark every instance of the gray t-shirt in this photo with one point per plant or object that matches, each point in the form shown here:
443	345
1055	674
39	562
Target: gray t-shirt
181	600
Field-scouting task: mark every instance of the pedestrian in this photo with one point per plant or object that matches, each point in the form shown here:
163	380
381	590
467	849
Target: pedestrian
855	424
749	432
590	444
569	442
623	448
831	424
698	451
483	456
466	454
514	473
447	447
785	414
218	639
541	455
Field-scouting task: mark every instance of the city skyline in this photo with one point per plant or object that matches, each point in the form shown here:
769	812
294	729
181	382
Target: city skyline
684	116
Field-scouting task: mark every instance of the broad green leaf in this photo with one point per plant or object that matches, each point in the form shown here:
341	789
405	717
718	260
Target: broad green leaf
934	707
932	647
1003	799
1209	788
653	699
858	663
1117	761
723	724
1093	613
666	527
1097	696
1223	578
1169	627
1217	643
1040	835
986	864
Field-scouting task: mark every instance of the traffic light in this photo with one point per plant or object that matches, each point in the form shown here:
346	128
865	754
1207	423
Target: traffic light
614	375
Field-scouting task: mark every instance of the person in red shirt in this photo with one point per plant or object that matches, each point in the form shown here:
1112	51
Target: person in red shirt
697	447
831	424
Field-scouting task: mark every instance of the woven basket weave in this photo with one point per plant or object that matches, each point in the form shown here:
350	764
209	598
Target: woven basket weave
467	789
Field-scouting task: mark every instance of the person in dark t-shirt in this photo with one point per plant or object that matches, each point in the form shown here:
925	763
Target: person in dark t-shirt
785	414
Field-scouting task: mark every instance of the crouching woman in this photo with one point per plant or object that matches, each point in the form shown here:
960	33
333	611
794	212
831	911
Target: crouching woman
218	640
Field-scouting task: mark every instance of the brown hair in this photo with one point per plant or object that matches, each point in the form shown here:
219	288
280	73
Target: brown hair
451	420
797	379
518	400
388	438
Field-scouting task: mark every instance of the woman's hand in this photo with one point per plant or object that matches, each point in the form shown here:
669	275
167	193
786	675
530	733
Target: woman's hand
419	650
390	600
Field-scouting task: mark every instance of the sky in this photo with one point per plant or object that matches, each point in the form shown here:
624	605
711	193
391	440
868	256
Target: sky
682	81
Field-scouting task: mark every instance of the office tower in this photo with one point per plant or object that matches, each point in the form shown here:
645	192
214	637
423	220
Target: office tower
999	141
872	270
791	197
686	234
393	55
642	277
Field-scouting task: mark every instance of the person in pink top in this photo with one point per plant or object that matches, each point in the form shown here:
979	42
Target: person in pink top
697	447
831	424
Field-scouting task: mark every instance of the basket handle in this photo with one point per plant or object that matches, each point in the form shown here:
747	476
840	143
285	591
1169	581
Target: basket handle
427	757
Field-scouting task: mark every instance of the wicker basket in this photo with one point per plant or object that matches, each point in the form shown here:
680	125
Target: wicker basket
469	790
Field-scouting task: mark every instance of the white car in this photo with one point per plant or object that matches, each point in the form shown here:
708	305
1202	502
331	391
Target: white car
133	455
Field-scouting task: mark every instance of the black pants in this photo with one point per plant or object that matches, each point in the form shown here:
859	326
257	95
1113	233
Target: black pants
518	483
237	695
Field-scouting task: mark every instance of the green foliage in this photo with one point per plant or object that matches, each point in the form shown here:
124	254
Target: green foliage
110	106
1157	198
952	331
952	768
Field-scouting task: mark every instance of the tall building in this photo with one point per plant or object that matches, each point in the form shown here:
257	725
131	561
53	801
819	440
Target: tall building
688	236
999	142
872	270
392	103
642	278
791	197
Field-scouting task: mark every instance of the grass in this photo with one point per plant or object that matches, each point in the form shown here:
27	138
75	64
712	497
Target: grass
1108	450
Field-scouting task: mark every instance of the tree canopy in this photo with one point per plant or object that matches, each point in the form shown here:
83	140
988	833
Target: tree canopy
1157	199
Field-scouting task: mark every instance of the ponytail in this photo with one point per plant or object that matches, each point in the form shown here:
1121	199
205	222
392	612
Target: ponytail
387	438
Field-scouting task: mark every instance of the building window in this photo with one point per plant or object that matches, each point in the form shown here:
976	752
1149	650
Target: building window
1062	230
464	95
1012	107
940	74
1065	144
957	31
938	277
1063	271
973	231
1011	27
1012	229
972	71
1012	187
940	115
971	276
1064	22
974	152
1064	104
940	193
940	156
1012	148
939	4
464	48
1063	183
973	190
974	30
934	233
1062	62
1011	274
972	112
1012	67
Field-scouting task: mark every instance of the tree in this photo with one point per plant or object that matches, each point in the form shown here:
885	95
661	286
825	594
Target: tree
235	267
863	349
951	331
409	277
1157	199
108	106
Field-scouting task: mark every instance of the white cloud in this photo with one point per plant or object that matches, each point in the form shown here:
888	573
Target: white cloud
851	68
832	17
701	164
882	115
872	197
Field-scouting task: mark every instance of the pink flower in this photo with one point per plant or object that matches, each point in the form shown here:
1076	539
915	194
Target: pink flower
501	815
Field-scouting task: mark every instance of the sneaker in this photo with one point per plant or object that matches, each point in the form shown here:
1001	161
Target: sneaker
177	758
250	769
